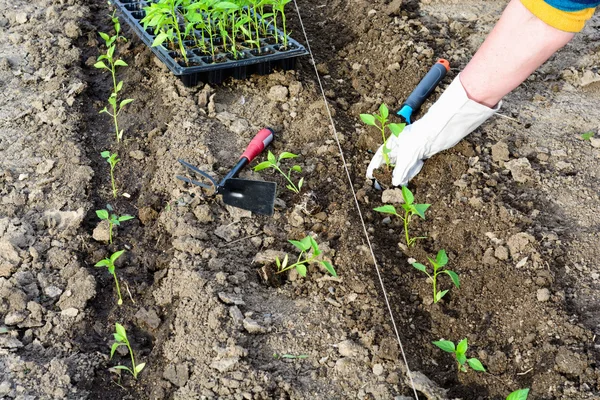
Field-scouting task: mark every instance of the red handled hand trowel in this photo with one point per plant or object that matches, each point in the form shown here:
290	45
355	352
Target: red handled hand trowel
255	196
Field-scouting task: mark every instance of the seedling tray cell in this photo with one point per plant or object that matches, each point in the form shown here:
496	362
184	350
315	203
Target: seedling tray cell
202	67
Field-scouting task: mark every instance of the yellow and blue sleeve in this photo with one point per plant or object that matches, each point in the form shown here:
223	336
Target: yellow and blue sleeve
566	15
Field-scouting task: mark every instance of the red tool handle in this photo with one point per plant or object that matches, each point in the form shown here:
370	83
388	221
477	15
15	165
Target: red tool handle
262	139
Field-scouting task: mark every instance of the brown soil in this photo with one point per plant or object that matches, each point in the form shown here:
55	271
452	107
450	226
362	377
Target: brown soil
203	321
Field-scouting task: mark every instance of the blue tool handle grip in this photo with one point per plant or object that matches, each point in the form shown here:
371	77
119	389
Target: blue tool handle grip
425	87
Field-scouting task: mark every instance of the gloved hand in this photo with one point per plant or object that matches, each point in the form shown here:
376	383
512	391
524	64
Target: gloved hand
449	120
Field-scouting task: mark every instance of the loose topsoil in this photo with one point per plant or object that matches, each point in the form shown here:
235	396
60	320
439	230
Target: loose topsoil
515	206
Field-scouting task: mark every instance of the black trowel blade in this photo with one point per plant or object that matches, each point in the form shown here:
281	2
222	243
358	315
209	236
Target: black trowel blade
255	196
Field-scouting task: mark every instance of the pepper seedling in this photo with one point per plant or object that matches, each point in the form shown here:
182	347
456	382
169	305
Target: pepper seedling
305	258
109	263
113	219
410	209
459	352
438	268
382	118
520	394
112	160
587	136
120	336
109	57
274	162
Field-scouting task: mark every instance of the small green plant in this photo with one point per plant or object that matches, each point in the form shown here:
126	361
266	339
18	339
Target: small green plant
109	263
410	209
460	353
289	356
113	219
588	136
438	268
273	162
382	118
120	336
112	160
520	394
109	57
309	251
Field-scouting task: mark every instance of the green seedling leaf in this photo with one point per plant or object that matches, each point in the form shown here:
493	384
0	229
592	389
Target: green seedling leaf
476	364
306	243
105	154
368	119
461	347
116	255
104	36
100	65
113	348
329	268
387	209
407	195
285	262
286	155
396	129
314	246
121	331
124	368
263	165
439	295
587	135
520	394
125	217
111	269
384	111
445	345
119	86
420	209
301	268
139	367
271	158
299	245
160	39
300	183
102	214
104	110
120	63
278	263
119	338
419	266
297	168
102	263
461	358
454	276
125	102
441	258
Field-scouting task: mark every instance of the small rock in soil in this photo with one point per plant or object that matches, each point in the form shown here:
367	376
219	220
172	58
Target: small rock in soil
378	369
268	256
500	152
228	232
137	155
21	17
69	312
239	126
278	93
543	294
236	315
520	169
225	364
394	7
13	318
148	317
52	291
177	374
501	253
570	363
230	299
253	327
595	142
44	167
147	215
202	213
348	348
518	242
237	213
343	366
392	196
101	232
9	259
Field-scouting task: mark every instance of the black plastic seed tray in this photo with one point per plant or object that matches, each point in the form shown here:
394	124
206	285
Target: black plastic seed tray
201	67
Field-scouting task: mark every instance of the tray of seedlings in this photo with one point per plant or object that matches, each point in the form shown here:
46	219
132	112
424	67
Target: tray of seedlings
210	40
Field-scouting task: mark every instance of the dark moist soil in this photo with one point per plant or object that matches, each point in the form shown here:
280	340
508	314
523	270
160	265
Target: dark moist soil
202	318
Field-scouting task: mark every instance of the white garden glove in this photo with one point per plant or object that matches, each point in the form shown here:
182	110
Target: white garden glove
449	119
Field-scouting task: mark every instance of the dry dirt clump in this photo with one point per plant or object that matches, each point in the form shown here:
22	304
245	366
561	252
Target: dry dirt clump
514	206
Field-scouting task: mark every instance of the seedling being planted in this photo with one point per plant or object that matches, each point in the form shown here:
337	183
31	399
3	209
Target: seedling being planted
112	160
410	209
113	219
274	162
521	394
438	268
459	352
380	121
109	263
120	336
309	251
